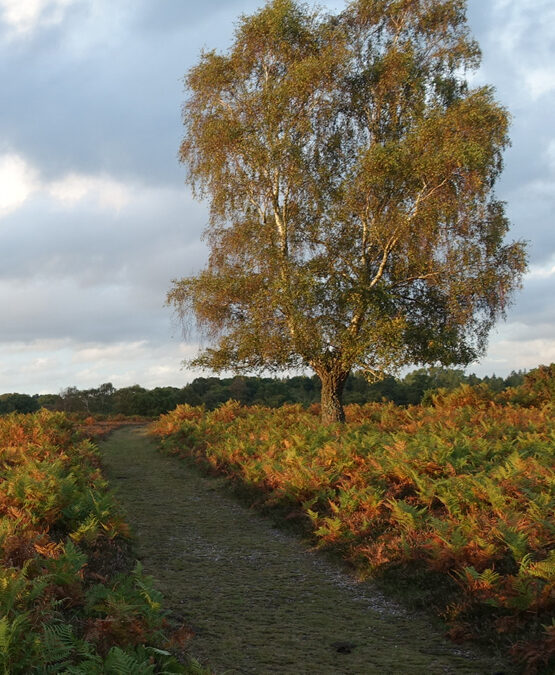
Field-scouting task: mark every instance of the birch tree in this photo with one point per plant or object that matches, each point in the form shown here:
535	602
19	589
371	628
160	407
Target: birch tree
350	173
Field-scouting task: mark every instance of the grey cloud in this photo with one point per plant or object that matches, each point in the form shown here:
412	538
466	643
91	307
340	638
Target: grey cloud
100	94
113	104
115	107
96	276
92	245
58	309
526	162
532	216
533	305
168	16
519	332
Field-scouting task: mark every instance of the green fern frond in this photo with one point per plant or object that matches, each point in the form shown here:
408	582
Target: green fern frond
57	645
544	569
5	635
152	597
119	662
12	588
11	634
408	517
87	531
490	577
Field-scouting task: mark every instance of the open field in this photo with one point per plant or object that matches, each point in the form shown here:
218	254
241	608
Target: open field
451	503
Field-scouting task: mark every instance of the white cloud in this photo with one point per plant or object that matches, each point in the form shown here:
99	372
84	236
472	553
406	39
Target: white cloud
38	365
106	191
523	32
541	271
161	371
102	354
505	356
48	366
25	16
540	80
550	153
17	182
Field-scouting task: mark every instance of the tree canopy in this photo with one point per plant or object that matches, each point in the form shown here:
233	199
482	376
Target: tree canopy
349	170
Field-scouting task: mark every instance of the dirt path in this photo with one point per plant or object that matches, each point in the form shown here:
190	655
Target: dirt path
259	601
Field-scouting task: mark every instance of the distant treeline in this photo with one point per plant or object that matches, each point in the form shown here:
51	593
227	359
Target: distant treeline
272	392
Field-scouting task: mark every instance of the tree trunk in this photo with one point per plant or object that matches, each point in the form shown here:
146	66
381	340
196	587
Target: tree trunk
331	397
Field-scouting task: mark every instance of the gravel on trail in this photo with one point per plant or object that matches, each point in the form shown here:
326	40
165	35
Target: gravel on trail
259	599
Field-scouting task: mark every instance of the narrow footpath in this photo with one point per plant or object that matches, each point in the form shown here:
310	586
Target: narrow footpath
258	599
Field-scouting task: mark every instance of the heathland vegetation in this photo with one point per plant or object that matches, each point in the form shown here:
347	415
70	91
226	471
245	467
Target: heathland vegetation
354	229
72	599
448	503
451	501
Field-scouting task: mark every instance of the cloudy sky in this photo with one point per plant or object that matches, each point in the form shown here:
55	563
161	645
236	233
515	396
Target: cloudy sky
95	219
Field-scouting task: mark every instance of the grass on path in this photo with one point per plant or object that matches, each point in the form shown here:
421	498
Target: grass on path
258	599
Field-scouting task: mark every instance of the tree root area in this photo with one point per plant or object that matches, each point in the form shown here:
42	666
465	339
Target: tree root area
258	599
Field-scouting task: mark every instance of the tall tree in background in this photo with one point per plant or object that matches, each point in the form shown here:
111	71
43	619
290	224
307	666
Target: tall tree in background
350	171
